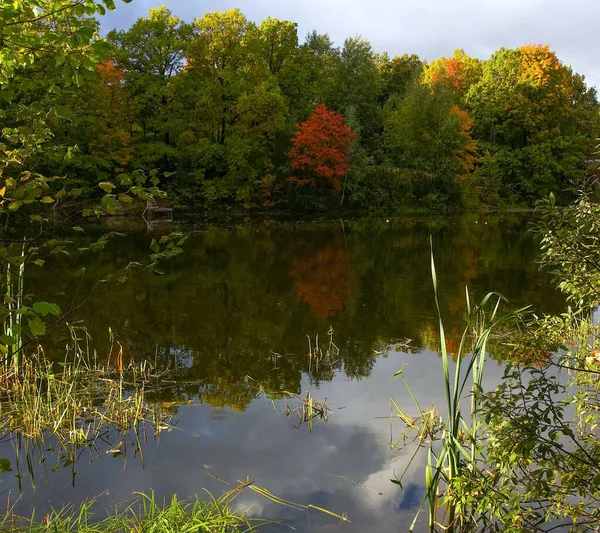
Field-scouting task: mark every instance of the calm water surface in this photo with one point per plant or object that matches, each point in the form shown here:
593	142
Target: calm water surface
237	310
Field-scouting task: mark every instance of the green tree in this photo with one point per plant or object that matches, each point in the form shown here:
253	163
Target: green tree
219	64
251	145
276	49
276	42
232	111
150	54
397	75
429	136
357	87
535	120
321	62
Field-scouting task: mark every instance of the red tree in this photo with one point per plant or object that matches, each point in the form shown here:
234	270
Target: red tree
320	150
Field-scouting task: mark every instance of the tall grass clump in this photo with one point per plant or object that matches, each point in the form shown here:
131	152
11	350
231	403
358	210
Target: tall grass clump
78	404
146	514
13	301
452	438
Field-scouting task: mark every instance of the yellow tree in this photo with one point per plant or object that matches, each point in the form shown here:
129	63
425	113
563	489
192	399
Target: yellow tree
457	73
535	119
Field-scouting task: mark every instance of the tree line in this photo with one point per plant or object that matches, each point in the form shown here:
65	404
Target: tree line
241	115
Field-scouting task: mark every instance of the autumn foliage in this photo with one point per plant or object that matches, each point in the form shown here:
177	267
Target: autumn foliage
110	137
320	150
456	73
540	65
467	146
453	74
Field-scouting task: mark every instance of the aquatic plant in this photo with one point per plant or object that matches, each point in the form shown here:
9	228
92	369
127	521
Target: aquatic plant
526	456
145	514
452	438
78	404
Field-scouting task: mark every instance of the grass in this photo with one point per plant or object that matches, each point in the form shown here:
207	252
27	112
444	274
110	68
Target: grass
80	405
452	439
319	359
308	409
146	514
77	405
143	515
15	275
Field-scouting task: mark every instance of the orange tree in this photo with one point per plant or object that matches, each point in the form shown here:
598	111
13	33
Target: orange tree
321	150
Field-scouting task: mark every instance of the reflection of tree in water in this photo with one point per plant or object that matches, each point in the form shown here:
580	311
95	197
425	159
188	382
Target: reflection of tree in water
322	279
429	338
236	296
232	393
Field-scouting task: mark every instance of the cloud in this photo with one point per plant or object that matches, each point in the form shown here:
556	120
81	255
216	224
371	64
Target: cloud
429	28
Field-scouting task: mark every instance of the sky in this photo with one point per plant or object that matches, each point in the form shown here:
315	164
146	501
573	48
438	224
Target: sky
428	28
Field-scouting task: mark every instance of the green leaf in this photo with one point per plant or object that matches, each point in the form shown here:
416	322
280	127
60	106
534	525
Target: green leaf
36	326
46	308
85	33
124	179
399	372
7	340
101	47
5	466
106	186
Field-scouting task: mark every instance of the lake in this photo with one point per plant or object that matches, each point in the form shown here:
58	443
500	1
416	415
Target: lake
234	317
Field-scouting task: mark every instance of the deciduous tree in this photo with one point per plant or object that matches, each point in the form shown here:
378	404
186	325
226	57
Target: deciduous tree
320	150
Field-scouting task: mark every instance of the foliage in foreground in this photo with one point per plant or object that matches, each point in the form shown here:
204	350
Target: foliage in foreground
77	405
145	514
526	456
37	201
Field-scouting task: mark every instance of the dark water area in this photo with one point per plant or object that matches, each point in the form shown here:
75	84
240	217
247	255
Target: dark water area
233	316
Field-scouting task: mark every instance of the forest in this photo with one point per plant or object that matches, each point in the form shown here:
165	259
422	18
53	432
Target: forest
223	115
235	115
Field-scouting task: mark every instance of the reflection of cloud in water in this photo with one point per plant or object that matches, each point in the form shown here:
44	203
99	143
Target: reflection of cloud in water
345	465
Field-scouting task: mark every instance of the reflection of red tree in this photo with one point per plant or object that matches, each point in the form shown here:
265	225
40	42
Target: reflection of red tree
430	337
323	280
453	338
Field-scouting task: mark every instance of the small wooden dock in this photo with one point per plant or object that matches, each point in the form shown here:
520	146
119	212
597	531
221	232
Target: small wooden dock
157	210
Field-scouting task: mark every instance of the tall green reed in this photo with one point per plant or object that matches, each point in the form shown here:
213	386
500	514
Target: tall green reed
13	327
453	439
78	404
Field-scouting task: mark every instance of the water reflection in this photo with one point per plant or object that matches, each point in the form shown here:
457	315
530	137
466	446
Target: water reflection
322	278
240	303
